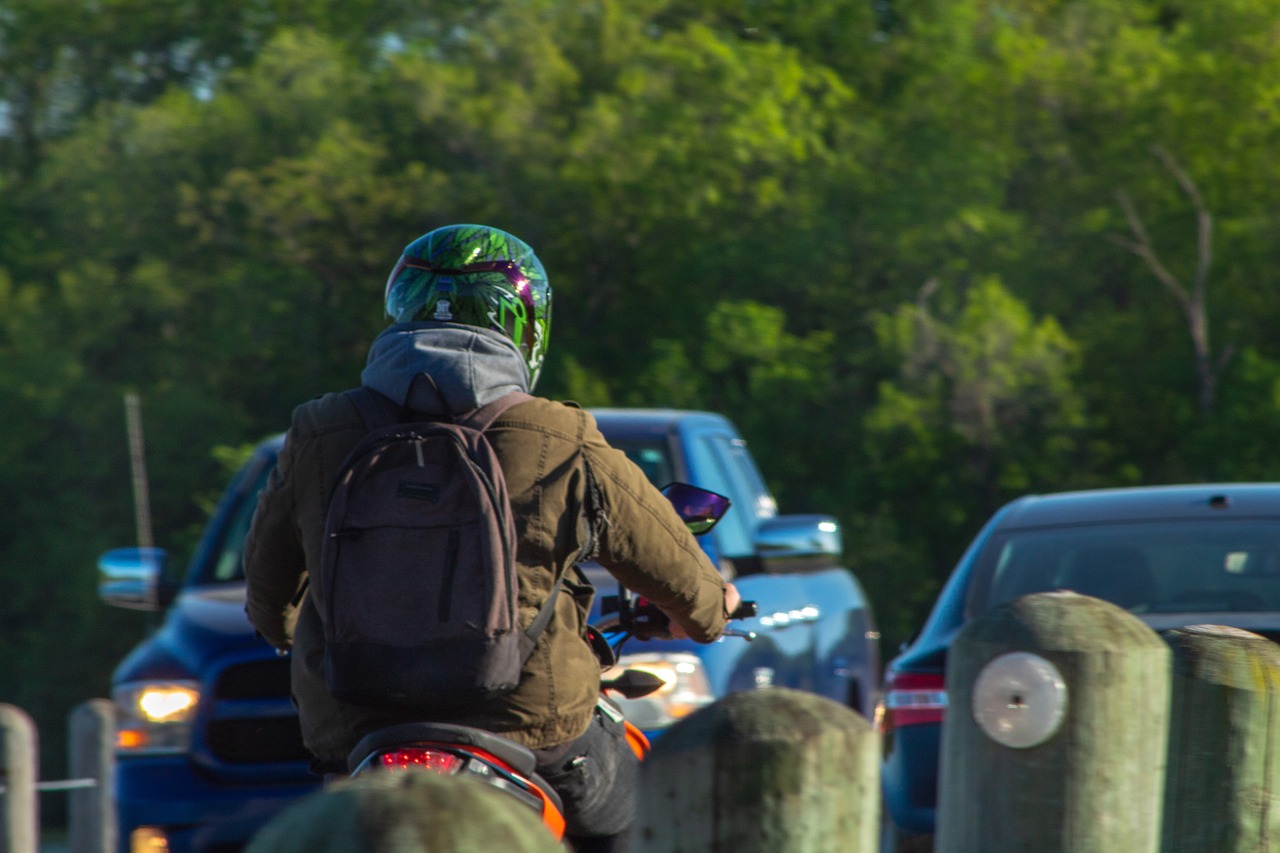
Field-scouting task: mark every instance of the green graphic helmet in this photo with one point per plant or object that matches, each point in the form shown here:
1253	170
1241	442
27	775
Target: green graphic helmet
478	276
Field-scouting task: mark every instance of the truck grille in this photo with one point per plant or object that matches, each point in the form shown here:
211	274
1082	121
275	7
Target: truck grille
260	740
266	679
255	740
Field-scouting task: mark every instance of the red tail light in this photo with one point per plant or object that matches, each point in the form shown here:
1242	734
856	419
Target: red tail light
422	758
913	699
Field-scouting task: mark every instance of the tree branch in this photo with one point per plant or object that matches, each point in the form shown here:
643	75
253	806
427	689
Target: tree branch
1204	221
1191	299
1141	246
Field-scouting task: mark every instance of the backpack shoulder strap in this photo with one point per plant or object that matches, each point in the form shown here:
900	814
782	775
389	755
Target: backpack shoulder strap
540	622
376	410
482	418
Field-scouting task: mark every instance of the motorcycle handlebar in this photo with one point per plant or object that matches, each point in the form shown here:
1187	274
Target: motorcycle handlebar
646	621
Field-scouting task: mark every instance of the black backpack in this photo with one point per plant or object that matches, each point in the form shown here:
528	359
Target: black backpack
417	578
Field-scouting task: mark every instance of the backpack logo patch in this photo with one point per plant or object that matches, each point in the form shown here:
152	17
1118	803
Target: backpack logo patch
419	491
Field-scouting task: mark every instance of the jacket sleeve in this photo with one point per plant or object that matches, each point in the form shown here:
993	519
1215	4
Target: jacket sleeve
645	545
274	561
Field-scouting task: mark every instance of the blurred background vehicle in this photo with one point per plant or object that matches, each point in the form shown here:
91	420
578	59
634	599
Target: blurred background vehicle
1171	555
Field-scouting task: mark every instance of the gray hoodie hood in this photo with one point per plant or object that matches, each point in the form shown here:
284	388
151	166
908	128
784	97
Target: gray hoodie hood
466	367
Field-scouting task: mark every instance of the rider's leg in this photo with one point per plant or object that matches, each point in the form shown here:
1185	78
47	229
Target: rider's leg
595	776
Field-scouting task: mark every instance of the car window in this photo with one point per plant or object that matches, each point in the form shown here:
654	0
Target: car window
228	561
735	532
651	456
747	485
1163	567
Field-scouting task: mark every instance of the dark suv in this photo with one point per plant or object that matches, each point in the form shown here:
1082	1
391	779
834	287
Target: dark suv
1172	555
208	742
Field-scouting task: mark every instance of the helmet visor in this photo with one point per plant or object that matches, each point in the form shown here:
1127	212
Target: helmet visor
509	269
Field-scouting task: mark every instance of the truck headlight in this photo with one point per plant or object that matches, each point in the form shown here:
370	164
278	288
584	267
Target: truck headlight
685	691
155	716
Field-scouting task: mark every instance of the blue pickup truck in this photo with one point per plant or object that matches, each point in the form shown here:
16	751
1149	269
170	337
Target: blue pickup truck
208	745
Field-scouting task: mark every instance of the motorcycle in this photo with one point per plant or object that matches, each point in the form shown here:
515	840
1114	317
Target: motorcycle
450	749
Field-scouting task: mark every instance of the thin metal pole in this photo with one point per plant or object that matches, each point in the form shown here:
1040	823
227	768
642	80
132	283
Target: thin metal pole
141	491
138	464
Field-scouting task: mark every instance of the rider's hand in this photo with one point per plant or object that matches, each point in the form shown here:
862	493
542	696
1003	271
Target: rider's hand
731	601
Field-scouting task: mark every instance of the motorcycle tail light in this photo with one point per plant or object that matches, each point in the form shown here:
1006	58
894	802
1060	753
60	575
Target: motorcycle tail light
422	758
912	699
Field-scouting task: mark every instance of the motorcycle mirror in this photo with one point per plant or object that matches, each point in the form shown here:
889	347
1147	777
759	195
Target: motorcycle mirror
634	683
699	508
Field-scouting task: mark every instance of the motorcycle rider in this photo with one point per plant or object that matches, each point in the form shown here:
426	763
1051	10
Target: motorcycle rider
470	307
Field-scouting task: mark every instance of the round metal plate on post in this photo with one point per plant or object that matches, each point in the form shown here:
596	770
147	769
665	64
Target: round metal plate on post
1019	700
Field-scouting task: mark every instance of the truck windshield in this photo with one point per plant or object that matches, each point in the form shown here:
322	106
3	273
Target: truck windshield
227	563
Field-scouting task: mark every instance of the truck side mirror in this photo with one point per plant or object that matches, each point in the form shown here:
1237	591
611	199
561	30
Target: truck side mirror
133	578
794	543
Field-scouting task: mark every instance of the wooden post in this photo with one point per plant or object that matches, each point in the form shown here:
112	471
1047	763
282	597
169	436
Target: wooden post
1223	791
19	769
770	770
92	756
413	811
1095	781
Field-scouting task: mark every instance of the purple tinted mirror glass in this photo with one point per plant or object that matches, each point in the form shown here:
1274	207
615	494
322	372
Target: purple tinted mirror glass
699	508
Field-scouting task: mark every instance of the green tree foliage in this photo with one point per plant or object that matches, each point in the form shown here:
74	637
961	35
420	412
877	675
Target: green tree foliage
1091	94
742	206
992	377
985	407
782	387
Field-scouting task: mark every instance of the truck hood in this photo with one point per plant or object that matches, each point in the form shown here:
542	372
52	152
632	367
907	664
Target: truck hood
206	623
203	624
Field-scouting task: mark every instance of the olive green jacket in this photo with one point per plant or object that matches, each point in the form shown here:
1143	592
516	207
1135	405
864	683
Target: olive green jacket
542	447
